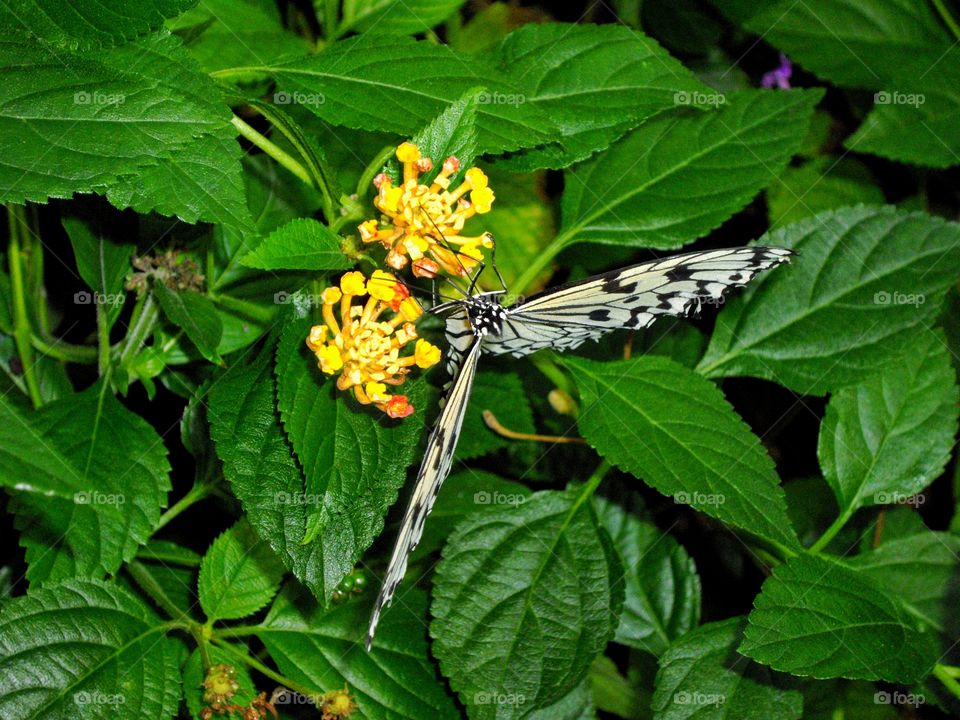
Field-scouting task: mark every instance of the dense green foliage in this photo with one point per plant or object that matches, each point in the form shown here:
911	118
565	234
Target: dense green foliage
753	514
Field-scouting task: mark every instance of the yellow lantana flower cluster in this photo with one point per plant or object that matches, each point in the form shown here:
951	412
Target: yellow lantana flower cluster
424	223
363	349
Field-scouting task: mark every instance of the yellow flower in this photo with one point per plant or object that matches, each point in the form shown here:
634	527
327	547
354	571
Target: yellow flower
424	223
359	344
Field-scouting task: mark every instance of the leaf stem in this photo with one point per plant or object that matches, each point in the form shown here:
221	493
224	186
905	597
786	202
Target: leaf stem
272	150
946	675
330	19
141	325
834	528
373	167
103	341
549	366
238	631
22	333
195	494
541	261
146	582
64	351
243	307
230	649
947	18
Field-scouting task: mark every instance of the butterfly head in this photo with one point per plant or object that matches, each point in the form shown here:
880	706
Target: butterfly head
485	313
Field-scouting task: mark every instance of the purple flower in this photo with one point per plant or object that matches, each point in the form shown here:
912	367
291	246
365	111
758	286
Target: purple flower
779	77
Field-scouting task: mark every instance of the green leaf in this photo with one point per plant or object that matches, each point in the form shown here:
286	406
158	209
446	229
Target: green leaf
419	80
102	264
395	17
193	676
263	474
662	597
301	244
663	423
613	693
853	43
915	117
703	676
824	183
464	493
503	395
864	276
354	460
89	479
72	23
133	107
523	601
452	132
324	649
88	649
678	176
923	572
239	575
820	618
595	81
195	314
890	436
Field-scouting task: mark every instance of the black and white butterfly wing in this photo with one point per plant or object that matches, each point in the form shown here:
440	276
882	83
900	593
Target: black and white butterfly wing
564	317
433	471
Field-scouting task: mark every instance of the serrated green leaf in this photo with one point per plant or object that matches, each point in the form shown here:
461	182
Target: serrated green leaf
263	474
72	23
613	693
665	424
418	79
819	618
195	314
889	437
134	107
239	575
595	81
193	676
324	649
88	649
923	572
503	395
702	676
452	132
354	461
301	244
824	183
89	479
662	589
853	43
678	176
170	585
394	17
102	263
916	115
523	601
864	276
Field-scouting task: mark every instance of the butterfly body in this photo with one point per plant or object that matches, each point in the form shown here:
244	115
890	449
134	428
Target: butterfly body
560	318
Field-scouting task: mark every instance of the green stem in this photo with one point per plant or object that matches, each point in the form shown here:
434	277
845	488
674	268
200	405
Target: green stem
146	582
373	168
22	333
593	482
103	342
947	18
238	631
546	362
540	261
272	150
243	657
834	528
944	674
64	351
243	307
168	558
198	492
330	18
141	325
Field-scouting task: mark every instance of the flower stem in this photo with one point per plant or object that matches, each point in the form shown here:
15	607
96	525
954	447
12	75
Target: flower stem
198	492
947	676
947	18
63	351
22	333
272	150
540	261
373	168
141	325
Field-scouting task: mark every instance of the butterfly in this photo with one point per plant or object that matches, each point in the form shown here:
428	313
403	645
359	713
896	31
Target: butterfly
560	318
